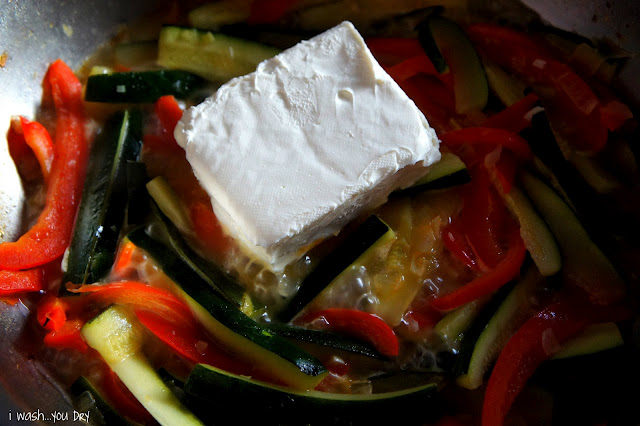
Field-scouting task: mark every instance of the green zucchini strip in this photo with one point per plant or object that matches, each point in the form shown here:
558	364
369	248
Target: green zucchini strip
273	404
594	338
88	399
248	339
104	199
514	309
355	245
450	49
216	57
141	86
118	338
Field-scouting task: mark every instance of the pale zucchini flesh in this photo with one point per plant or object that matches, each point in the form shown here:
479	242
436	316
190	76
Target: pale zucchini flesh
118	337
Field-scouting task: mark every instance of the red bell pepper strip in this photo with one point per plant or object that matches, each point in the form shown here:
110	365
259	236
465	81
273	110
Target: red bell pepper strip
12	282
456	242
513	118
495	35
210	233
117	394
124	258
390	51
441	119
190	342
38	139
52	313
420	64
67	337
169	113
358	324
566	95
537	340
488	282
502	168
269	11
50	236
488	137
614	114
483	219
23	157
139	295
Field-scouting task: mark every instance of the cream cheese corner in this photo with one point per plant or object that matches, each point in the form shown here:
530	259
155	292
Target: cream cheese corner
295	150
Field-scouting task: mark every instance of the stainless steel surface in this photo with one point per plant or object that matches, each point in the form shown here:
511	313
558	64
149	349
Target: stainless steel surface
33	33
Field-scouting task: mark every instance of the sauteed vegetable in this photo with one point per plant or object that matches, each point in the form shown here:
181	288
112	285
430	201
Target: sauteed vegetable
477	295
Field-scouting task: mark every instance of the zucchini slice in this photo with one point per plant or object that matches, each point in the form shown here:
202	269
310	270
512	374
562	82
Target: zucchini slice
170	204
141	86
138	207
584	264
273	404
452	326
104	199
216	57
518	305
535	233
212	16
324	338
217	279
594	338
88	399
355	245
118	337
471	334
450	49
448	172
250	340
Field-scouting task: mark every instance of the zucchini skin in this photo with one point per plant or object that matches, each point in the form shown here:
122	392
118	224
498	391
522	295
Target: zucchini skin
104	198
216	57
324	338
210	387
101	412
141	86
221	310
334	263
217	279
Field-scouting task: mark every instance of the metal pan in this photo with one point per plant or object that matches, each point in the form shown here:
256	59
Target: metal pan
34	33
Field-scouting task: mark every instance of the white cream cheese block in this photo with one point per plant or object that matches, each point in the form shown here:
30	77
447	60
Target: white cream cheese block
295	150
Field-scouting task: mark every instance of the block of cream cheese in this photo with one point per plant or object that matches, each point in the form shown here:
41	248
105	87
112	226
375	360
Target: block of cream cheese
295	150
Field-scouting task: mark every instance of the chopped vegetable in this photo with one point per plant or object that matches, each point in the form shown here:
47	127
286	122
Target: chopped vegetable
50	236
358	324
537	340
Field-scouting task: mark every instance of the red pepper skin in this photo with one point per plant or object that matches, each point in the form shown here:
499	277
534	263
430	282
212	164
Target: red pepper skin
358	324
190	342
139	295
12	282
488	282
567	96
67	337
38	139
269	11
455	240
52	313
420	64
537	340
23	157
50	236
439	118
513	118
117	394
490	137
390	51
